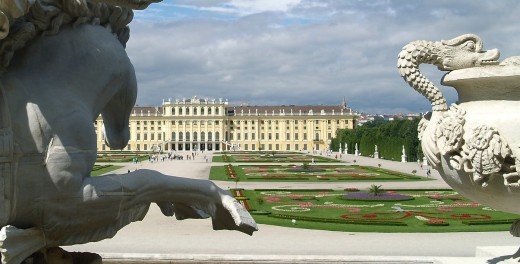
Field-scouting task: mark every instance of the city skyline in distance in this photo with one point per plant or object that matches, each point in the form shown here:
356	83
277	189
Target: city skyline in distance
303	52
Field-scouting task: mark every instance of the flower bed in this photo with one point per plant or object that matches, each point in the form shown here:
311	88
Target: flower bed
365	196
309	169
436	222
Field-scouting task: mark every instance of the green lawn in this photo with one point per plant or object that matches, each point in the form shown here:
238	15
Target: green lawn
120	157
313	173
328	210
102	169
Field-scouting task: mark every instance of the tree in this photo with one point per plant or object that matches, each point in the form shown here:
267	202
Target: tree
389	136
375	189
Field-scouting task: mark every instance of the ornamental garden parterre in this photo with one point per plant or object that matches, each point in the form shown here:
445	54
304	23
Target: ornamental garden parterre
306	172
354	210
350	210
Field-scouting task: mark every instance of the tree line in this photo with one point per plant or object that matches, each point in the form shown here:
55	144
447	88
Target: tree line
389	136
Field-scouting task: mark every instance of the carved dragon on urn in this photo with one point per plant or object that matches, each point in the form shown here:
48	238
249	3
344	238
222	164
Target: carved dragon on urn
441	131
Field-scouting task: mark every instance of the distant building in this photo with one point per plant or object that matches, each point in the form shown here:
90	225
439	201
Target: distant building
214	125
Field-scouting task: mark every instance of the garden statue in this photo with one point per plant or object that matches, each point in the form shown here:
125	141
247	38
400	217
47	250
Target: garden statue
346	148
356	151
63	63
403	155
376	153
474	144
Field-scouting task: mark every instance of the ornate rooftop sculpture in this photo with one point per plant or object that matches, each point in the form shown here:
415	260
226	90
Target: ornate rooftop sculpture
63	63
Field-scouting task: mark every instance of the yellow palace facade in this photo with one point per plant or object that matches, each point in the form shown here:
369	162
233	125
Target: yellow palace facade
213	125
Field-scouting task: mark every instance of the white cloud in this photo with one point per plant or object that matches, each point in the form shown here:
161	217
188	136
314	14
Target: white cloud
340	48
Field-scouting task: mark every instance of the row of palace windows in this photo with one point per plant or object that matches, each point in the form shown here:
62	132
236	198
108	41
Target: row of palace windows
272	136
194	111
230	122
229	136
273	147
244	147
180	136
180	122
276	122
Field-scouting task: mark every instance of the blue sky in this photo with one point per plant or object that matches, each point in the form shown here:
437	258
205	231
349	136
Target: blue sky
268	52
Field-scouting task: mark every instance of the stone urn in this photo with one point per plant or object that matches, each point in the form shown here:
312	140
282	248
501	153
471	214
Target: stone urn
474	143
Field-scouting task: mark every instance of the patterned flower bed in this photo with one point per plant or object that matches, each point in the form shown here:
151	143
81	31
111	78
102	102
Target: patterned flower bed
386	196
270	157
313	173
326	209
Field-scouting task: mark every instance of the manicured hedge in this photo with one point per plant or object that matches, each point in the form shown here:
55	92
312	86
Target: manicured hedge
332	220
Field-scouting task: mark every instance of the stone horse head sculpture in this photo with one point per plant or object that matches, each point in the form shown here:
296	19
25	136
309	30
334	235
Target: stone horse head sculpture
63	63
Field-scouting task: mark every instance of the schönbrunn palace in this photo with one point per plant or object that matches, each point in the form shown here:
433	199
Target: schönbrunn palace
213	125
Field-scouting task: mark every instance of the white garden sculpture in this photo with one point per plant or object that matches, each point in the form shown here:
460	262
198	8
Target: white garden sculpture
475	143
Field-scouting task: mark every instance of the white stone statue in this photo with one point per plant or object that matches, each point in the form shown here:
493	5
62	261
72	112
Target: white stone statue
346	148
63	63
403	155
475	143
356	151
376	153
